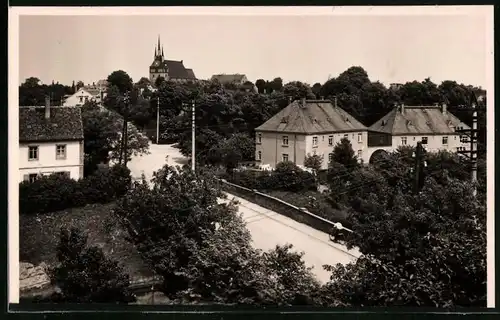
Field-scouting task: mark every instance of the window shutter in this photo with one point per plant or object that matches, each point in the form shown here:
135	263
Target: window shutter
26	177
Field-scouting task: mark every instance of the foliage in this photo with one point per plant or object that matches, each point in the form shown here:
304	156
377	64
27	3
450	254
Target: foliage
33	93
57	192
313	162
344	154
121	80
85	275
230	152
202	249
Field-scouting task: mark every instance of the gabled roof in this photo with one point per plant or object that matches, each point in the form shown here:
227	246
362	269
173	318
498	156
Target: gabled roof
177	70
65	123
415	120
228	78
190	73
92	90
312	116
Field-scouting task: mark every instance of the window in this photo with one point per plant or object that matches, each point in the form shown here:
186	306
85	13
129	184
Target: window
285	157
315	141
346	136
360	137
285	141
403	140
86	99
455	138
61	152
359	154
33	153
259	155
259	138
424	140
330	157
330	140
445	140
33	177
81	98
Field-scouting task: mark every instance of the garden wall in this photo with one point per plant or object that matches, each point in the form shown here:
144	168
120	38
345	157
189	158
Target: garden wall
271	203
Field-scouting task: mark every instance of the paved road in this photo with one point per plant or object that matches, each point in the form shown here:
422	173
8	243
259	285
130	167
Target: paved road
267	228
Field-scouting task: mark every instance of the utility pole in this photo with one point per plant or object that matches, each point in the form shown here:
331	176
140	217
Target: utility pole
158	120
193	137
472	134
124	140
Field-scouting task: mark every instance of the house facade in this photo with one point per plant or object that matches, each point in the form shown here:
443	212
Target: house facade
84	95
50	141
434	126
307	127
170	70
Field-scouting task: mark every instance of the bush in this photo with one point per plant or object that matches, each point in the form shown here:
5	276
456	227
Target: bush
286	177
56	192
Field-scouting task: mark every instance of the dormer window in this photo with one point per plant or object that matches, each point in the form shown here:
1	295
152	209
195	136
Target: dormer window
284	120
346	119
384	123
409	123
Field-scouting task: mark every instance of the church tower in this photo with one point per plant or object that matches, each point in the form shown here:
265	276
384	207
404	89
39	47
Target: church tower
159	66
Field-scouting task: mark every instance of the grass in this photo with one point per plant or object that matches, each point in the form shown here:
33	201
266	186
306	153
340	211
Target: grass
39	236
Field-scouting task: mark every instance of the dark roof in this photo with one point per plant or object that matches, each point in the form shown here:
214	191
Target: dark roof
190	73
315	116
418	120
228	78
177	70
65	123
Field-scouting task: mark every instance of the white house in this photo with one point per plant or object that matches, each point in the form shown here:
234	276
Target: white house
434	126
50	141
83	95
307	127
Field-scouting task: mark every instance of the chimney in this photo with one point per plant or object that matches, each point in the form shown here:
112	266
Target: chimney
444	108
402	108
47	107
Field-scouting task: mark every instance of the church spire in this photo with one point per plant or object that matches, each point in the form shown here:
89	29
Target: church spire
162	52
159	44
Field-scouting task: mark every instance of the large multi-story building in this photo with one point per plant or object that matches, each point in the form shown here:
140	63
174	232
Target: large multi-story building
307	127
169	70
434	126
50	141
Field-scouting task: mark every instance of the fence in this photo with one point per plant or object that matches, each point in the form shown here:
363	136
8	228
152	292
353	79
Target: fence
300	215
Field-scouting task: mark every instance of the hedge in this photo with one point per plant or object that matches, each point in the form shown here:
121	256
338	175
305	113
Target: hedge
56	192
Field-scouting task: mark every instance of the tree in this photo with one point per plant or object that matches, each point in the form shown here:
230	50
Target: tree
261	85
344	154
316	89
276	84
298	90
427	249
202	249
313	162
121	80
85	275
159	81
232	151
79	85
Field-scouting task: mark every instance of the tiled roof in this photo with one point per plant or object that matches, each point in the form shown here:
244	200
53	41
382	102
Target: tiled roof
177	70
65	123
228	78
418	120
315	116
92	90
190	73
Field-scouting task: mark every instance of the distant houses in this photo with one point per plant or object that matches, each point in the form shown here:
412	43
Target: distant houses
307	127
239	81
50	141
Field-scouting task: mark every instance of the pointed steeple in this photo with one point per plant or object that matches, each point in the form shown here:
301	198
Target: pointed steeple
159	44
156	53
162	52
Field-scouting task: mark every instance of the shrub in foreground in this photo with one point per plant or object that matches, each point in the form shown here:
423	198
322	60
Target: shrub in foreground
56	192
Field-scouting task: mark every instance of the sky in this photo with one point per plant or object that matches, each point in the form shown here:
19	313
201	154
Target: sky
391	48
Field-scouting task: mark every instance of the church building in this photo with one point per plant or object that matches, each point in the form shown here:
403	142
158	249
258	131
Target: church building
170	70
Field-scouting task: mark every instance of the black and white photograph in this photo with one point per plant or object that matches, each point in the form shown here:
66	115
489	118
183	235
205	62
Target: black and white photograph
312	156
